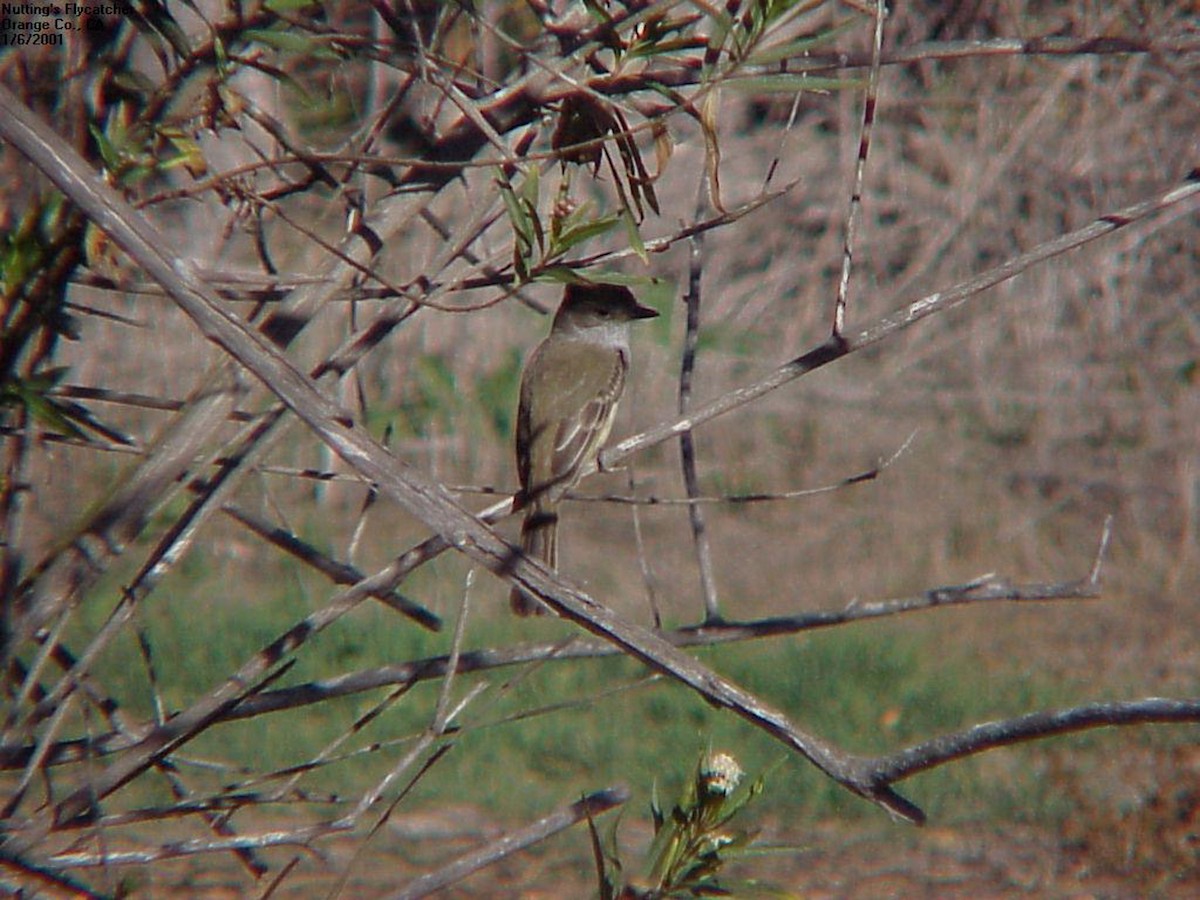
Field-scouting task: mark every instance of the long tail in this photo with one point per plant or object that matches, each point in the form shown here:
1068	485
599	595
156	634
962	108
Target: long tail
539	539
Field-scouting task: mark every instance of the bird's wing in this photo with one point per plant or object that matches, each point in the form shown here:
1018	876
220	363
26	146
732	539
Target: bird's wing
575	414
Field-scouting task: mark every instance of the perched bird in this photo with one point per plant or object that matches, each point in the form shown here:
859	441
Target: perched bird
569	393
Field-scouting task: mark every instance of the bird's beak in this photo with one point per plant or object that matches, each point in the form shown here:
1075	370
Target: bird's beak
644	312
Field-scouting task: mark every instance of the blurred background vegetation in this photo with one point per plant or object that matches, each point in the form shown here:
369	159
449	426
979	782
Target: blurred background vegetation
253	135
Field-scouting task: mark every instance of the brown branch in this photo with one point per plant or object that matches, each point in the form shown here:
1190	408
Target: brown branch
988	589
938	751
587	808
19	874
335	571
863	477
854	212
67	571
521	103
177	849
884	769
1169	45
687	444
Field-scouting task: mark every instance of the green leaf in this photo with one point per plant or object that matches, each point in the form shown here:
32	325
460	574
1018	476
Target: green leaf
536	223
598	12
23	254
279	40
577	234
557	275
30	394
660	48
524	231
108	153
530	189
222	56
801	45
188	153
290	6
290	41
516	211
655	809
636	244
134	83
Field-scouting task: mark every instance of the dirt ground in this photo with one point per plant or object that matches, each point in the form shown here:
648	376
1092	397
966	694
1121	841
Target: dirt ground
973	861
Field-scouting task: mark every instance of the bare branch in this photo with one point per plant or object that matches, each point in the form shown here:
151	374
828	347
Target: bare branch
1167	45
177	849
687	444
587	808
990	735
860	165
23	876
337	572
905	318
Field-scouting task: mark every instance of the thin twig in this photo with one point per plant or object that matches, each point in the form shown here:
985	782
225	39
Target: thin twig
687	444
648	578
587	808
854	212
335	571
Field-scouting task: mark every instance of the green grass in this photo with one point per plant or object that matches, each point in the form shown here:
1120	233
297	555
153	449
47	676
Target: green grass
519	752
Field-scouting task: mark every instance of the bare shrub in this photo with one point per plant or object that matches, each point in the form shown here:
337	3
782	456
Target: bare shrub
268	278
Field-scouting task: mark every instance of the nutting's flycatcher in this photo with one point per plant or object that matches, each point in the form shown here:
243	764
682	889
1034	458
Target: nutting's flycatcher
569	393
